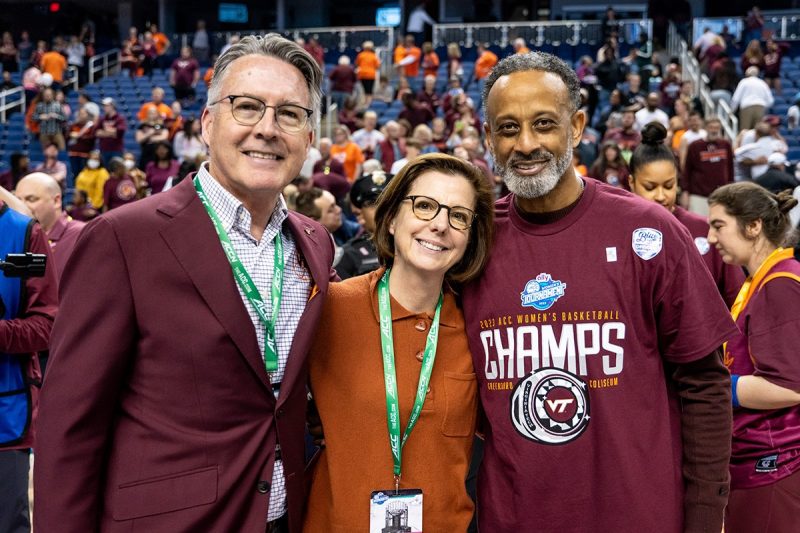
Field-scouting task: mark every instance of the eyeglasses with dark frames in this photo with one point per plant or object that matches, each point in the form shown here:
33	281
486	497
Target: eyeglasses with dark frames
426	208
248	111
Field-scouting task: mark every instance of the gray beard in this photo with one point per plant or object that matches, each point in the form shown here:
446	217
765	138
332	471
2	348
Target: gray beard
537	186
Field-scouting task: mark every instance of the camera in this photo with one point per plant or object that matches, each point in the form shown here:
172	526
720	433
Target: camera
25	265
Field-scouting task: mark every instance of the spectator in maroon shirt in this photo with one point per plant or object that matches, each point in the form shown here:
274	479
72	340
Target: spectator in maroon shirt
392	147
415	112
162	167
315	49
709	165
610	167
184	75
428	94
111	131
772	63
625	137
120	189
343	79
80	141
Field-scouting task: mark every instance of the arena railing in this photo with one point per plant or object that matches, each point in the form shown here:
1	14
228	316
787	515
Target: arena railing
104	63
537	33
72	80
677	46
338	38
9	101
783	25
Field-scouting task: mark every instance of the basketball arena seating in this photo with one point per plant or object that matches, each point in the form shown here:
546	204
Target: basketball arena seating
131	93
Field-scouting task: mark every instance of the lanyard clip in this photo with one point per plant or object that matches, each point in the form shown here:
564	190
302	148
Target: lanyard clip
397	483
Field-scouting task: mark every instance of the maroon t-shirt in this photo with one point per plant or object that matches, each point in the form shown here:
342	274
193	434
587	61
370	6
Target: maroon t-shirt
729	278
118	191
709	165
184	71
570	327
116	143
766	443
157	177
343	78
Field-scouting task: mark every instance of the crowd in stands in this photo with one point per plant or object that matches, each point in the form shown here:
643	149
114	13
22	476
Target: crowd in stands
430	102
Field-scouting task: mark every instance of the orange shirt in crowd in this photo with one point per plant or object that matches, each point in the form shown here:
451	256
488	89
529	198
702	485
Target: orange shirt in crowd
163	109
485	64
410	70
161	41
54	64
431	62
350	155
208	75
367	65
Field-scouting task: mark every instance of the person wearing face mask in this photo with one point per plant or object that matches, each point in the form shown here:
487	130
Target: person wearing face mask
750	227
92	179
654	177
138	175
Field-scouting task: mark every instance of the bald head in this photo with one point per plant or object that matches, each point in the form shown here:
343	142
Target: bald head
42	194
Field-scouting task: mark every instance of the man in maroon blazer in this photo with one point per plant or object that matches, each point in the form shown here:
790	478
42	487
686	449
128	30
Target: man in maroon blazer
175	400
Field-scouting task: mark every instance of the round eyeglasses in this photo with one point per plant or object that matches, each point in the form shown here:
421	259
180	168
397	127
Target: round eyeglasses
248	111
426	208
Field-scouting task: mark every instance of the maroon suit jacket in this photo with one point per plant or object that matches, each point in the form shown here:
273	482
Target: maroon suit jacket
157	414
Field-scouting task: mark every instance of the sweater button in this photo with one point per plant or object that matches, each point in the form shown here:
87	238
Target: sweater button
421	326
420	355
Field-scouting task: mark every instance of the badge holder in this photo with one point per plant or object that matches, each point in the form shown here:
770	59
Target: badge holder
395	511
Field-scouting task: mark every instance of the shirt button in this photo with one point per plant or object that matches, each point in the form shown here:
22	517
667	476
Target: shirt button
420	355
263	486
279	413
421	326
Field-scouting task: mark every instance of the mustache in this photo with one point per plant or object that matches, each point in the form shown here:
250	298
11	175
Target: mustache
536	155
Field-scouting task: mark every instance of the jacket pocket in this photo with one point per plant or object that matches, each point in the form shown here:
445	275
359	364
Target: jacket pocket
461	404
164	494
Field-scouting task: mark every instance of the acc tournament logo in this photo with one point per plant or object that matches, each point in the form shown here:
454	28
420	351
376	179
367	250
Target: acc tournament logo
542	292
550	406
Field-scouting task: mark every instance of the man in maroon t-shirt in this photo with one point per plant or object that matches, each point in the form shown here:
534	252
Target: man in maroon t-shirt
626	137
110	131
709	165
184	75
595	330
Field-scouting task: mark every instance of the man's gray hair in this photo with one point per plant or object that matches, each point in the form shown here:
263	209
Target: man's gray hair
535	61
272	45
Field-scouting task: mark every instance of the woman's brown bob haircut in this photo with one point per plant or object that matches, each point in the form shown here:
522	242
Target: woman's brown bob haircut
481	233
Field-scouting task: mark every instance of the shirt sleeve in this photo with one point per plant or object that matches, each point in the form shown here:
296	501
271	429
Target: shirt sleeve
691	317
30	332
773	330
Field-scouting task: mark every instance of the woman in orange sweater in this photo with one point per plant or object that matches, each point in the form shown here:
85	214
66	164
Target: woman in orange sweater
391	364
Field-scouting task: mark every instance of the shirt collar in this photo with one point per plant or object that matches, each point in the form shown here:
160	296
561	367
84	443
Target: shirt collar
449	316
232	213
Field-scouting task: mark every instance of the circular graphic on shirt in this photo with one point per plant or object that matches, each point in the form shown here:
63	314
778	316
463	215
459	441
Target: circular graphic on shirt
126	190
550	406
702	245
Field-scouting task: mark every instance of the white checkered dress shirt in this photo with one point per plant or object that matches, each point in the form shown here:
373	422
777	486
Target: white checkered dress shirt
259	258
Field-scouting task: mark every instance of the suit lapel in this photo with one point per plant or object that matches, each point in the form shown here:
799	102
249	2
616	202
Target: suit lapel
309	240
191	237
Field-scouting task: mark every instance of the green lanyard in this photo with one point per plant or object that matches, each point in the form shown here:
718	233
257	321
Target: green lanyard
246	282
390	375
